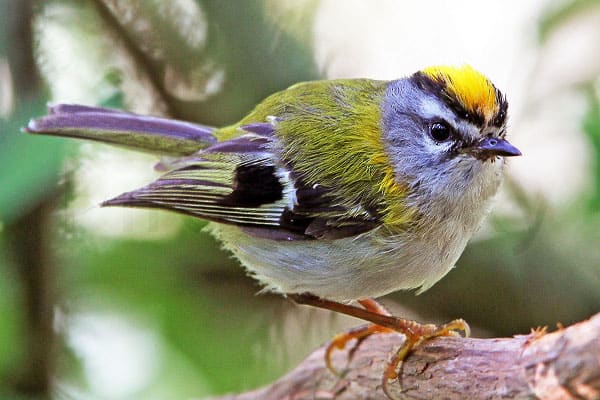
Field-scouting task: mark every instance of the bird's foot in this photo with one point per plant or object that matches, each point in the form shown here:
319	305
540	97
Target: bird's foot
416	334
382	322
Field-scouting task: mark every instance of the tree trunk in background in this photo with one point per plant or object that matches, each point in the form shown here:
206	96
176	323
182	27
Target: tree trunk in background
27	237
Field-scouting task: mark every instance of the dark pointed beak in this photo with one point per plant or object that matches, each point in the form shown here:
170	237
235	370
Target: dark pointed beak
491	146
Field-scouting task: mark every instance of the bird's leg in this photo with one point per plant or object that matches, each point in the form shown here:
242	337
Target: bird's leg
383	322
359	333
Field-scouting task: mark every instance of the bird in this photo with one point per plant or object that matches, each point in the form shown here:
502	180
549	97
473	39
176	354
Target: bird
333	192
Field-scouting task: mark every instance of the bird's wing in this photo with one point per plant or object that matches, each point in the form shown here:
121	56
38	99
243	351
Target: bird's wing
242	182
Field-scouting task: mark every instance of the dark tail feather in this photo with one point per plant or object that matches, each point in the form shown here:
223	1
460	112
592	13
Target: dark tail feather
140	132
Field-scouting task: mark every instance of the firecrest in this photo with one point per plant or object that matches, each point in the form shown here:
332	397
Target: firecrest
331	191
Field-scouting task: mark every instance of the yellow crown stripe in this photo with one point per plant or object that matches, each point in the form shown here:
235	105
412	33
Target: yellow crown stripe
471	89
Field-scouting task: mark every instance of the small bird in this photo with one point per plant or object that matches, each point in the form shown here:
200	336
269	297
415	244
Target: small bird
332	191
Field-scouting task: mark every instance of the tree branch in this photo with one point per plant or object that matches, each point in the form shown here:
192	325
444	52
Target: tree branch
561	365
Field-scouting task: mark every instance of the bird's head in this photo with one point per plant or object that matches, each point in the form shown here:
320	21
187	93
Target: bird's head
445	131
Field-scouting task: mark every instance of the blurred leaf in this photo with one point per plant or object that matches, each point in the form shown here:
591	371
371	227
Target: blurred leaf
591	127
555	17
203	312
29	166
86	60
205	61
11	320
258	56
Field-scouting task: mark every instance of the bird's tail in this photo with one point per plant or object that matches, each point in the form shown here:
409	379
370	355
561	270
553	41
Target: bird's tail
140	132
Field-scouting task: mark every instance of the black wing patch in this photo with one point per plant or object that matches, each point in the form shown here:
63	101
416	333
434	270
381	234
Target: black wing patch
241	182
254	185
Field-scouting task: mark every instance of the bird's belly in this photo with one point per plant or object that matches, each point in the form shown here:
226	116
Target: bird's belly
345	269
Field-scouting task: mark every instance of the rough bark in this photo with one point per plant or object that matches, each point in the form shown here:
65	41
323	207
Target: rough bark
564	364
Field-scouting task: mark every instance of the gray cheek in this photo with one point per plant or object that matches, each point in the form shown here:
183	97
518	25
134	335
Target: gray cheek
403	131
413	153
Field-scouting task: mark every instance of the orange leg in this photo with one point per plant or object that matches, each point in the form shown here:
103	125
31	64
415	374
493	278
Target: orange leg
375	306
340	341
359	333
383	322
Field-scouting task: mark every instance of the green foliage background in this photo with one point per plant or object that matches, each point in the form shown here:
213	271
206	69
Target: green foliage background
211	334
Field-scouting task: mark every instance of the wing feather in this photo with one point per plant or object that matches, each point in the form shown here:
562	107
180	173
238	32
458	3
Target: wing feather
241	181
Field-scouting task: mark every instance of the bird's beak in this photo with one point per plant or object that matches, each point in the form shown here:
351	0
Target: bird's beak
490	146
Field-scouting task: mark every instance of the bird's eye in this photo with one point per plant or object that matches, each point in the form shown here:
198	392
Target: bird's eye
440	131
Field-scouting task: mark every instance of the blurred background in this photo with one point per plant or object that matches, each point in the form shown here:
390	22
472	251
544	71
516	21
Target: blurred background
128	304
